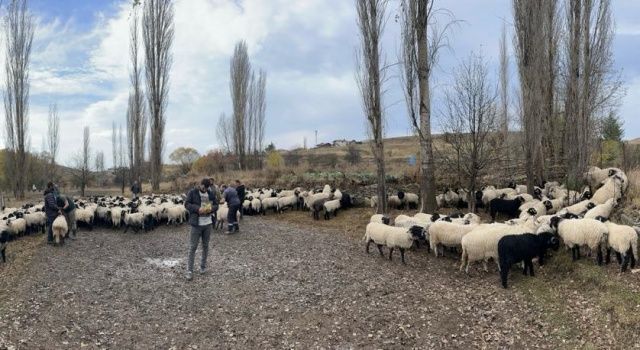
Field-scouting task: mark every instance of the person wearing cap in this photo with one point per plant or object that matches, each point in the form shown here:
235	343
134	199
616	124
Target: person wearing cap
233	202
201	202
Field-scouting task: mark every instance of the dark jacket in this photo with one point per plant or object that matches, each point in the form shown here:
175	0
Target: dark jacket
50	206
231	196
60	203
135	188
193	204
241	192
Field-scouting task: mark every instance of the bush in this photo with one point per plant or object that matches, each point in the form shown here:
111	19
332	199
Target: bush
353	156
274	160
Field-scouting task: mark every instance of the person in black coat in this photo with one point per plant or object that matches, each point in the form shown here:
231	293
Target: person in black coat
201	202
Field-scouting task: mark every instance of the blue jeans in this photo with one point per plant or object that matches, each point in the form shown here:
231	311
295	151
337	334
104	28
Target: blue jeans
232	216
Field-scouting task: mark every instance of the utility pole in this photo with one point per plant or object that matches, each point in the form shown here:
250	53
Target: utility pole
316	137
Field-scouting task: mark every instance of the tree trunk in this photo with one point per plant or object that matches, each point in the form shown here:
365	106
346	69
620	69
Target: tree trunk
427	180
381	175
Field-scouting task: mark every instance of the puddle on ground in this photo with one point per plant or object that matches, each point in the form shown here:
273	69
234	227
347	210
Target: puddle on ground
164	263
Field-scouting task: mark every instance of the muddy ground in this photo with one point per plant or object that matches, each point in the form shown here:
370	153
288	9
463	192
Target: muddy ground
284	284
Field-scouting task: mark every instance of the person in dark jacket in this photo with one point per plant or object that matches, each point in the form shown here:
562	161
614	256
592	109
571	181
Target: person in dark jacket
51	209
233	202
135	189
241	190
69	211
201	202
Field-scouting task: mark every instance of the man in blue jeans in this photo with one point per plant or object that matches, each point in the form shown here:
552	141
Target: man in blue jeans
201	202
233	202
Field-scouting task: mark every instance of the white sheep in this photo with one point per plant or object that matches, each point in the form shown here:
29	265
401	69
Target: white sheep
59	228
603	210
256	205
175	215
17	227
337	194
612	188
286	202
269	203
521	189
403	239
394	202
624	240
482	242
331	207
578	209
447	234
326	190
221	215
579	232
380	219
411	200
135	220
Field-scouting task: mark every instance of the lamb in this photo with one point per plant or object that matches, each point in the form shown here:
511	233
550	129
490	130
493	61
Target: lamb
317	206
380	218
331	206
579	232
624	240
447	234
516	248
603	210
612	188
221	216
59	228
508	207
482	242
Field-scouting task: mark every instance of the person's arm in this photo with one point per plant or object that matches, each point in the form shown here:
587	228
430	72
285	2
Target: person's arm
190	205
66	204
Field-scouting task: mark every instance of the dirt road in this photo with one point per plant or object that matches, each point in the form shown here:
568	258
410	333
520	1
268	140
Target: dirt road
275	285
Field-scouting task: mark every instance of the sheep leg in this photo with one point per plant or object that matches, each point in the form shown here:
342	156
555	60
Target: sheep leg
484	265
607	258
530	264
525	267
599	255
380	249
4	257
573	253
625	263
504	274
367	247
390	254
633	258
402	255
541	259
619	258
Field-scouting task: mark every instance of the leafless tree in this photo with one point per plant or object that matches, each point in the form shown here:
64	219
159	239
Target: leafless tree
592	86
530	48
53	139
81	171
114	147
421	42
223	132
504	101
370	75
100	168
472	122
240	90
136	114
259	107
19	28
157	32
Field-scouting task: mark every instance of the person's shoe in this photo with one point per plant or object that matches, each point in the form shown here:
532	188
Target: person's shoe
203	271
189	276
50	242
236	228
229	229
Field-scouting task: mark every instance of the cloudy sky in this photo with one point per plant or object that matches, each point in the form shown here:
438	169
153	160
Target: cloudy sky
80	62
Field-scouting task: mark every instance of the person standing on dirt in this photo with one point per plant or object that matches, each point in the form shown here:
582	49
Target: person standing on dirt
233	202
68	208
241	190
135	189
201	202
51	209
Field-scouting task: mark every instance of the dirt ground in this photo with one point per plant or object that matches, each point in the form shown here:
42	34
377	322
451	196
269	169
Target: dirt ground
286	282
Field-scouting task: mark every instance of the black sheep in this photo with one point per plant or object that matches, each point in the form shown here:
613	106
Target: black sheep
346	201
509	207
516	248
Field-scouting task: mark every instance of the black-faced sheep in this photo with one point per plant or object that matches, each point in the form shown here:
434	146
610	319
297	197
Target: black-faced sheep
579	232
330	207
60	229
513	249
4	241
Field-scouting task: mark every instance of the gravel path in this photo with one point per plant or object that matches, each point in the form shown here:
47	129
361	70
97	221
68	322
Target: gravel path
274	285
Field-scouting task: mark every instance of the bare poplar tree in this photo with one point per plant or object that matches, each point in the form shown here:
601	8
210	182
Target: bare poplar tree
419	54
240	91
158	30
592	86
53	139
136	116
81	171
530	53
472	121
123	159
504	101
223	132
114	147
260	107
370	76
19	28
100	167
